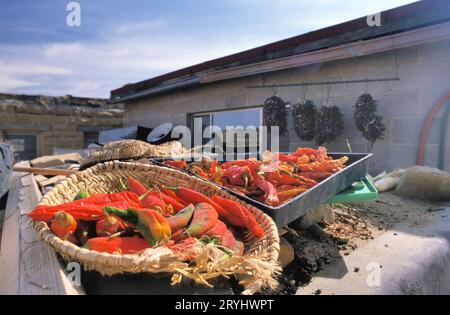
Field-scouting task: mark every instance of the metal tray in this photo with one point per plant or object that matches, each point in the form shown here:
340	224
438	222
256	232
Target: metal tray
356	169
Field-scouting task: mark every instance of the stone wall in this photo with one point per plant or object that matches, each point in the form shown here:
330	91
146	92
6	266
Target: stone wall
59	122
424	73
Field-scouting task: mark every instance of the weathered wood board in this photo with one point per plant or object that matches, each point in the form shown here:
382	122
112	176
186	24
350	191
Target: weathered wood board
28	265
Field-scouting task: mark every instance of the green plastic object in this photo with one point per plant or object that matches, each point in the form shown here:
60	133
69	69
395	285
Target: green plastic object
358	192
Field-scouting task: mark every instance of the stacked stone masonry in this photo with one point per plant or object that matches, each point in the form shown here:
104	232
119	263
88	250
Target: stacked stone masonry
59	122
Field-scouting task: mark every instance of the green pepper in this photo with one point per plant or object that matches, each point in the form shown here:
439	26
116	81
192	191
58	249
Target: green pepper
82	195
181	219
150	223
204	218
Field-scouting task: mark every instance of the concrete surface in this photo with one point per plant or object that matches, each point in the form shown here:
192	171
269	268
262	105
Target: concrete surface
407	259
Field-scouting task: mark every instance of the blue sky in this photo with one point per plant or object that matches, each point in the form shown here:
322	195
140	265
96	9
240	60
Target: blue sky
122	41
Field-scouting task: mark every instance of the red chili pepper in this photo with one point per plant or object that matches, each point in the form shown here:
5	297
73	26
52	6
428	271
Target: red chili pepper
253	165
135	186
194	197
169	200
284	196
303	159
172	194
197	170
117	245
152	200
88	209
305	181
204	218
286	179
287	158
231	243
238	215
270	193
238	175
218	230
233	213
108	226
307	151
63	225
321	154
181	219
252	225
213	169
181	164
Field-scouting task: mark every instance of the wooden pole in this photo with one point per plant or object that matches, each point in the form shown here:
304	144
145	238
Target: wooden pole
43	171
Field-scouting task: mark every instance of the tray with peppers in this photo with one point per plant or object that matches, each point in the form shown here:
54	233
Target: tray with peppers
284	185
165	220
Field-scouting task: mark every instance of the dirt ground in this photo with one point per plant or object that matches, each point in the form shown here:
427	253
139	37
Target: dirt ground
354	225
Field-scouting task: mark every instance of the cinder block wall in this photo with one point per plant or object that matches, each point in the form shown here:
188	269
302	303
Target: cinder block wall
424	73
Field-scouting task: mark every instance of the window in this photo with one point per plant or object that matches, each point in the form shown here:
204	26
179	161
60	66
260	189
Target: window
235	138
25	146
90	137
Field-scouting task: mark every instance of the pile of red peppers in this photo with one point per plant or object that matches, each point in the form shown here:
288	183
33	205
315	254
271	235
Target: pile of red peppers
273	181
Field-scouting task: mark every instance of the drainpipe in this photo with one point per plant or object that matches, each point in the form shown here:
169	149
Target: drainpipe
427	125
442	137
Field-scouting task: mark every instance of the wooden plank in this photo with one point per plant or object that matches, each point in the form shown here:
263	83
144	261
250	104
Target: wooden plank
52	180
43	171
9	263
27	264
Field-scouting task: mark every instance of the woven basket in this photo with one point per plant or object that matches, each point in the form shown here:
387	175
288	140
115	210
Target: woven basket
258	264
132	150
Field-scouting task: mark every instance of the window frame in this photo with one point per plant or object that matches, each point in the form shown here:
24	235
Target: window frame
37	135
192	116
211	112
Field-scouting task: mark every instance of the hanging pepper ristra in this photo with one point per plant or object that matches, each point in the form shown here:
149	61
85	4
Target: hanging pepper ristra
150	223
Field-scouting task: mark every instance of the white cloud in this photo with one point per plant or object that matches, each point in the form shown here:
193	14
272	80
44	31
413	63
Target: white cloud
8	83
138	27
93	69
135	51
